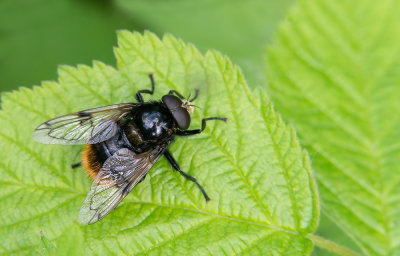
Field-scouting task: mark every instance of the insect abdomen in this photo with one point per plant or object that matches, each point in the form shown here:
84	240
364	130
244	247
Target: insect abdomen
91	160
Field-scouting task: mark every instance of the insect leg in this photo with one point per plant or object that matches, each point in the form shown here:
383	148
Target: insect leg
181	96
203	126
139	97
176	167
176	93
73	166
195	96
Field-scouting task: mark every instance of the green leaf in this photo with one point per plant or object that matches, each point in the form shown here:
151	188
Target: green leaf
239	29
71	243
46	247
334	72
263	196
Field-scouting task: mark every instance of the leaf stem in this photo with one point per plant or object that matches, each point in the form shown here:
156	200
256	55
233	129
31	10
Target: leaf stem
331	246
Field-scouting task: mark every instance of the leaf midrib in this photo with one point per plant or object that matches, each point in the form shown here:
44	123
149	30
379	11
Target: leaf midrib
368	140
281	157
216	216
234	163
267	215
211	216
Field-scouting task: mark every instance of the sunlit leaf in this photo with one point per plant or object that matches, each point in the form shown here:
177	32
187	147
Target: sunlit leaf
334	72
263	197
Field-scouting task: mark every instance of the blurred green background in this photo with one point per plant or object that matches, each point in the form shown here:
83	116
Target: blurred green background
38	35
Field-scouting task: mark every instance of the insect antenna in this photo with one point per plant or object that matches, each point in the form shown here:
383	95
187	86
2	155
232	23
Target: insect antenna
191	105
187	99
195	96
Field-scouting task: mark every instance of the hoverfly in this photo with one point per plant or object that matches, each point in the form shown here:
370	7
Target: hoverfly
122	143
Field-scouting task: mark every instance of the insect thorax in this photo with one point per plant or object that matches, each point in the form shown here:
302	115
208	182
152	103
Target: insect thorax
150	124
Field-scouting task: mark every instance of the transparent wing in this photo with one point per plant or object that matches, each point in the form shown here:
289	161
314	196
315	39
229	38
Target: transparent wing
84	127
119	175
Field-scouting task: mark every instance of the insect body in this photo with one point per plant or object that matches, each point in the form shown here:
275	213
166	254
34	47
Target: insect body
123	142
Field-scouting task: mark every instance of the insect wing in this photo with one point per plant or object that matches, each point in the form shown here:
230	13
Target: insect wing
119	175
84	127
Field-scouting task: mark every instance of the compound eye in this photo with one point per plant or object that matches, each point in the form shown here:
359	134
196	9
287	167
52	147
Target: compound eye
180	114
182	118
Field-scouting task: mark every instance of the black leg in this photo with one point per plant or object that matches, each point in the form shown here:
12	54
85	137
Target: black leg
175	166
203	126
181	96
177	94
195	95
139	97
73	166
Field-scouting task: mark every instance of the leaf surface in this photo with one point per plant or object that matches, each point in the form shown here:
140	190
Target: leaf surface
263	196
334	73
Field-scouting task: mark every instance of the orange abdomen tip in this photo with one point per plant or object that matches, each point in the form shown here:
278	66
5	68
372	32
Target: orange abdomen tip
90	161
